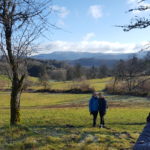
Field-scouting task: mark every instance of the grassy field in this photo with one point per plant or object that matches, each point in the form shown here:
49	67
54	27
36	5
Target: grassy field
98	84
63	122
4	82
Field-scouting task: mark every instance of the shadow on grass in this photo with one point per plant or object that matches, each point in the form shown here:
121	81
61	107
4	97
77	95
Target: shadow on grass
34	136
133	123
22	137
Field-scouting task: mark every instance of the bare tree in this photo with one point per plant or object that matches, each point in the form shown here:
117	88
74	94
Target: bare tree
103	71
44	78
130	72
21	22
78	71
133	72
119	72
138	22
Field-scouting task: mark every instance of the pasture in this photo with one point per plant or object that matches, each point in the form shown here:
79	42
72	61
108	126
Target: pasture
63	122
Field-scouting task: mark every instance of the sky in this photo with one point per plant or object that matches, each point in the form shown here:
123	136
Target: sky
90	26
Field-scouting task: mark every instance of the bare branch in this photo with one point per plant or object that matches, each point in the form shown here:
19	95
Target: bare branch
21	23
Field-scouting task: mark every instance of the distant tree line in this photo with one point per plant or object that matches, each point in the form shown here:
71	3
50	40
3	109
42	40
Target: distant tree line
62	71
125	70
130	76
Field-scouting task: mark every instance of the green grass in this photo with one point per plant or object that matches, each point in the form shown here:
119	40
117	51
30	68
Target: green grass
46	129
45	119
98	84
4	82
40	99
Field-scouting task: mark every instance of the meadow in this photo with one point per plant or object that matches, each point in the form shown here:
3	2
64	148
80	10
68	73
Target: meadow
63	122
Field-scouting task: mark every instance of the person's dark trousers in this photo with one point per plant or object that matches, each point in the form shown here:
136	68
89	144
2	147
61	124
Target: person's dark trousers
102	114
94	113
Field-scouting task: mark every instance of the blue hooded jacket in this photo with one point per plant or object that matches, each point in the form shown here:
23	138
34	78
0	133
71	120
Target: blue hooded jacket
93	104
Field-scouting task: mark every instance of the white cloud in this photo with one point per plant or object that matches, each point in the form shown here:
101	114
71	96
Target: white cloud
96	11
132	1
62	13
88	36
91	46
60	10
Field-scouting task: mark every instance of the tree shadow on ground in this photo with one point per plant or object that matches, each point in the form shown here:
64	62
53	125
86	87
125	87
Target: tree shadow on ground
130	123
38	136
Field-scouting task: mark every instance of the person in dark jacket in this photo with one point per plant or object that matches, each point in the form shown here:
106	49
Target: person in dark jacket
102	106
143	142
93	107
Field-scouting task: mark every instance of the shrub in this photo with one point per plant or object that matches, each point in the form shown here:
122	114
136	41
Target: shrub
76	88
140	88
82	85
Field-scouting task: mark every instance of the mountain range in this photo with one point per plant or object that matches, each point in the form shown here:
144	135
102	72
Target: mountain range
68	55
88	59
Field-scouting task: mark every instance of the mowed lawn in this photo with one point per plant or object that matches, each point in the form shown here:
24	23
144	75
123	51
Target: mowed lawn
63	122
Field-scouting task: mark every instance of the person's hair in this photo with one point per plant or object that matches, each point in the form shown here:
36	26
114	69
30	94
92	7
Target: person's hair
94	93
100	94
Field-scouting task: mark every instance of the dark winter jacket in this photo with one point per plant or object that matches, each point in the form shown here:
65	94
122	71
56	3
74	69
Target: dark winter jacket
93	104
102	104
143	142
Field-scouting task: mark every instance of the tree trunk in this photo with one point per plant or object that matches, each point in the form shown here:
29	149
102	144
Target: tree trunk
15	103
16	83
114	85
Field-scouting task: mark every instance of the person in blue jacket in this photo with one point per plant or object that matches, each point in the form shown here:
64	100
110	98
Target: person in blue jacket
93	107
102	107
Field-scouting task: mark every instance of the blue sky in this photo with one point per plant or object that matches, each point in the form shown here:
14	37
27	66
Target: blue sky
89	25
